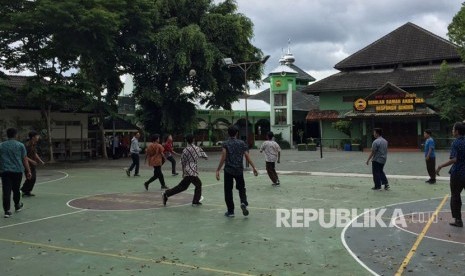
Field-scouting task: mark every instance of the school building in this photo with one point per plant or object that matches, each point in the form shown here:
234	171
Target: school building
388	84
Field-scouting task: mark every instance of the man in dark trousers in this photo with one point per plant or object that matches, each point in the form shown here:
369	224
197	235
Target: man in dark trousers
457	173
232	157
13	163
379	149
134	150
430	156
33	159
189	158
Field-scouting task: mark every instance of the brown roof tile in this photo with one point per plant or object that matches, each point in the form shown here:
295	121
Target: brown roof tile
316	115
407	44
371	80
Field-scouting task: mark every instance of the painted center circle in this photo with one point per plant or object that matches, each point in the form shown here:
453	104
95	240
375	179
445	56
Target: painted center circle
128	201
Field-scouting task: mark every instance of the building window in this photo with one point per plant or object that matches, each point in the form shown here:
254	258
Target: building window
280	100
280	116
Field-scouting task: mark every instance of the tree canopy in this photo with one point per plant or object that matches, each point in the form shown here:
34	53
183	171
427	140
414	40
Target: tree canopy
89	45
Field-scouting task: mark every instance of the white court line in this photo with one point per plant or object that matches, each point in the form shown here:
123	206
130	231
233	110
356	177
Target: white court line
41	219
394	176
354	219
416	234
54	180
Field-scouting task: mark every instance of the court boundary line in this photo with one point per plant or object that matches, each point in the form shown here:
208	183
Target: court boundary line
419	238
54	180
126	257
41	219
426	236
344	242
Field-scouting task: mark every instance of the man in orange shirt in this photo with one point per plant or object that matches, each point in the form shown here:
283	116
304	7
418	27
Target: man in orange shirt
154	154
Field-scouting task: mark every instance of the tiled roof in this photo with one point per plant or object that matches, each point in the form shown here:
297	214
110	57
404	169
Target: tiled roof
316	115
14	82
371	80
18	99
301	74
407	44
300	100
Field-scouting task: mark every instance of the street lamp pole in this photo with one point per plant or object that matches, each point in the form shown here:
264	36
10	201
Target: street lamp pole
245	66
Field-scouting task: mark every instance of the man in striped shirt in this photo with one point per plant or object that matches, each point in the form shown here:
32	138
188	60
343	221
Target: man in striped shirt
189	158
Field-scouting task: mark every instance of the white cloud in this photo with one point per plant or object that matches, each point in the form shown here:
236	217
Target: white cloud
323	32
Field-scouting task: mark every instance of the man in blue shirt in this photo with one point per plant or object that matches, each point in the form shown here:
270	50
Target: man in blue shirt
232	156
13	162
457	173
430	156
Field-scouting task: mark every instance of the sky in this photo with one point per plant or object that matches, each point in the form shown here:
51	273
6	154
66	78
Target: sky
324	32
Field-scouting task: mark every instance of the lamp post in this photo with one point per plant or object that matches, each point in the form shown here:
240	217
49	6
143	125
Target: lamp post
245	66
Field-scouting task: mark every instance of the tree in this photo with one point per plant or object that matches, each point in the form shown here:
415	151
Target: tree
343	126
90	44
449	94
27	45
194	34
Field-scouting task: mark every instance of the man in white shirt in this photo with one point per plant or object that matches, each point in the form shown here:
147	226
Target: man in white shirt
272	155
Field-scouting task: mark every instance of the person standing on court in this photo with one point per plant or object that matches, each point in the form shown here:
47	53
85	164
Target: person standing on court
134	150
13	163
457	173
378	155
232	157
33	159
154	154
272	155
189	158
169	153
430	156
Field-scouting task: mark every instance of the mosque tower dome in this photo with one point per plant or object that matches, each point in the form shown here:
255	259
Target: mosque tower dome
289	57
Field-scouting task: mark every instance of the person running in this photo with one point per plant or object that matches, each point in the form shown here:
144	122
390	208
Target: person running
13	163
457	173
430	156
189	158
232	156
379	150
169	153
134	150
154	154
272	155
33	159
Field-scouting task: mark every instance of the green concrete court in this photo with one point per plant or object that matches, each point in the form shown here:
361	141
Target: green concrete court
89	218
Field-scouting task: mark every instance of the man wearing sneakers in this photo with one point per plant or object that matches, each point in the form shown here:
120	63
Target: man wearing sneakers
33	159
379	150
154	154
189	158
134	150
13	162
272	155
232	156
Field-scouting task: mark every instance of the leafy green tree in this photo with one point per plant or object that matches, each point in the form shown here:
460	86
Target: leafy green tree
27	45
449	94
194	35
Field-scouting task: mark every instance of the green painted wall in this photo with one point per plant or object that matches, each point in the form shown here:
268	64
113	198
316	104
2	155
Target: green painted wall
284	82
